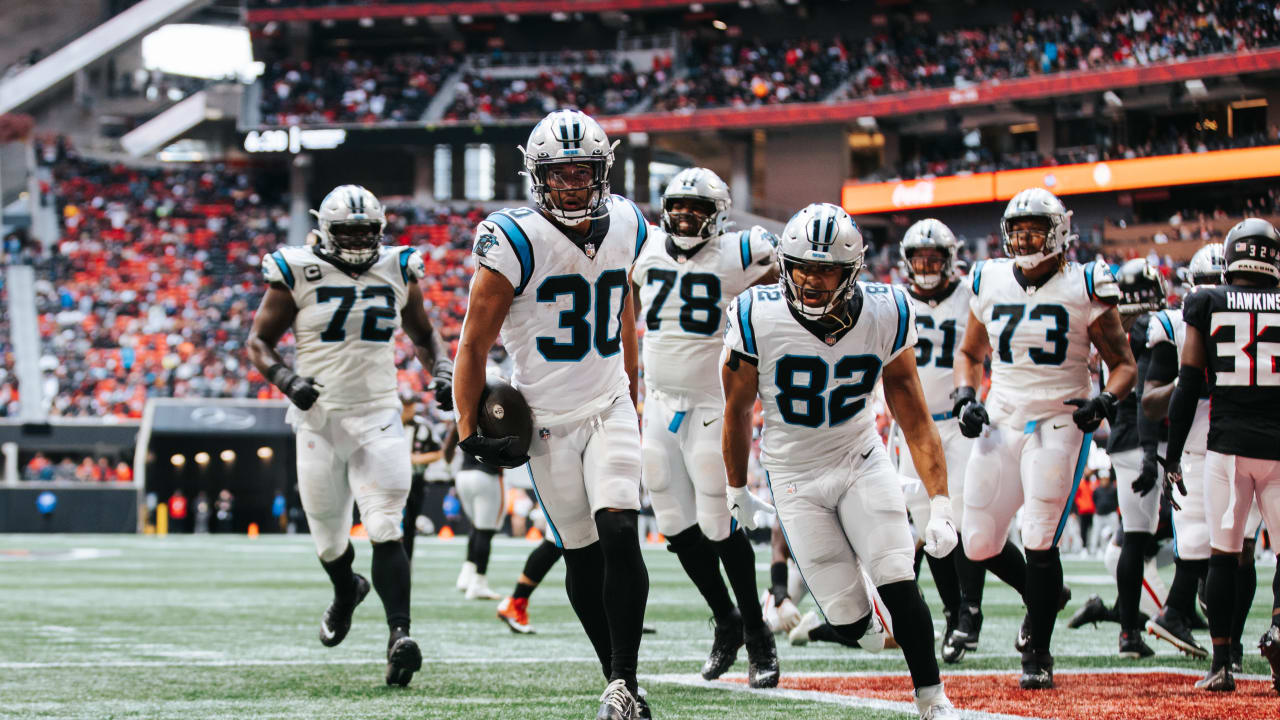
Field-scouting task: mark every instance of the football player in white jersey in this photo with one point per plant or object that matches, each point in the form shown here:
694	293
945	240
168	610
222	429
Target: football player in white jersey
343	297
553	279
685	276
940	303
812	348
1041	313
1166	337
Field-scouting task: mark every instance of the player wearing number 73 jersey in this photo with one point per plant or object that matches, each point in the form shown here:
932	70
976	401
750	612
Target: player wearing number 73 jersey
1233	333
812	348
1036	315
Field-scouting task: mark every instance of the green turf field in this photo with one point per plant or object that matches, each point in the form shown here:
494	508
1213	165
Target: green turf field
215	626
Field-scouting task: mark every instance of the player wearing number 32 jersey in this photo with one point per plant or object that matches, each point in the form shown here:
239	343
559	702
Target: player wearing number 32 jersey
812	348
1036	315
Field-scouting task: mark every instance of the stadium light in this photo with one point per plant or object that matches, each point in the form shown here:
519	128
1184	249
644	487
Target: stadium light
202	458
178	460
204	51
265	453
228	456
719	25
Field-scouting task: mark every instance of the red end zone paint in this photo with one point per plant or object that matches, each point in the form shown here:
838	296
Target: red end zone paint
1078	696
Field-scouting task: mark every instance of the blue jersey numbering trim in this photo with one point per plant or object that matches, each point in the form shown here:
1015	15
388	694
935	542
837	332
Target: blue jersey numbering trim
744	320
284	268
519	241
903	314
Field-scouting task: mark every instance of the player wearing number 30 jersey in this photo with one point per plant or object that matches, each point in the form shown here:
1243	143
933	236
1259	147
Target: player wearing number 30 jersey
812	348
1035	314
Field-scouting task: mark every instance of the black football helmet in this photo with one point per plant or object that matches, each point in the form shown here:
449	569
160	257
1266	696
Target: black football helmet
1252	251
1142	288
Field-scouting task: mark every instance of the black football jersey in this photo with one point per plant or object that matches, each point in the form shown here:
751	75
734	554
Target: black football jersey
1241	330
1124	430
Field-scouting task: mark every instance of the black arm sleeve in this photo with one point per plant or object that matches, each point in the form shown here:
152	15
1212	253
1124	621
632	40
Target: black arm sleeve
1182	410
1148	430
1163	367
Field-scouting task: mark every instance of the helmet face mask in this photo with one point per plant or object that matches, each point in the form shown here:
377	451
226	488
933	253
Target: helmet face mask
351	224
820	255
695	207
929	250
559	150
1035	227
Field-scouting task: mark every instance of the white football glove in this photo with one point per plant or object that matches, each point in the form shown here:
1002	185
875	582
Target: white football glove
940	536
743	506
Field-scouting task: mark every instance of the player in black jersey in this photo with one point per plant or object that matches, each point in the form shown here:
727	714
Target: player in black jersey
1143	291
424	449
1233	332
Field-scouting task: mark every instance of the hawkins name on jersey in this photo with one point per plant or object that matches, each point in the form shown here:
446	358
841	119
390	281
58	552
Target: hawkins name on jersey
816	390
683	301
345	323
940	324
1039	335
1241	331
1167	326
564	329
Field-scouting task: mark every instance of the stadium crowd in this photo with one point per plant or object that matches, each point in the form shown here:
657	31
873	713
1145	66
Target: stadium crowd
754	72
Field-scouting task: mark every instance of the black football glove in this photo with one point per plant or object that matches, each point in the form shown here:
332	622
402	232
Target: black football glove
302	391
442	384
1172	479
1092	411
970	411
1146	481
501	452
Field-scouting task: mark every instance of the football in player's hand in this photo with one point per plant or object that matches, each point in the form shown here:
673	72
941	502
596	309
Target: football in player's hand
504	412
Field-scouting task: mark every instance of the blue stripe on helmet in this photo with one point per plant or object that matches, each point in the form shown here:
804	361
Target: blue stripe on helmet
519	241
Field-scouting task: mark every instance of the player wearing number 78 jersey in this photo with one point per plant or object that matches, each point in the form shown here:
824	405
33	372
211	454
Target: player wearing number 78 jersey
1036	315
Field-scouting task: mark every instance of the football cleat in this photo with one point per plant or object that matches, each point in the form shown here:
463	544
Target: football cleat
465	576
1037	671
403	657
1219	680
965	636
762	660
799	635
1023	642
951	618
479	589
1170	627
876	637
1269	645
515	613
724	646
336	621
642	705
1237	659
616	703
1092	612
1132	646
934	705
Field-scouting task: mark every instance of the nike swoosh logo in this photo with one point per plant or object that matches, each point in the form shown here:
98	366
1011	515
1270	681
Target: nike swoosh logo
707	423
385	427
766	675
1058	427
867	454
326	632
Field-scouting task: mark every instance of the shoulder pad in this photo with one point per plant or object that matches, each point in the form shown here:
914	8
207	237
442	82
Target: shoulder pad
276	270
412	268
1161	330
1101	284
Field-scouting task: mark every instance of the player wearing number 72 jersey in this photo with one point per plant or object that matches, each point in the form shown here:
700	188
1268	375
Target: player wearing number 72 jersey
1036	315
1233	332
812	348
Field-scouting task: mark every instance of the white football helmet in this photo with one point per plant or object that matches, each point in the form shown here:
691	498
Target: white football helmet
568	137
1206	266
820	234
930	233
1037	203
351	223
699	185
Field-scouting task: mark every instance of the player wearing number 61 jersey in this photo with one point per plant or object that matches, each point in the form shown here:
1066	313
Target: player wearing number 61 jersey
1036	315
812	349
1233	336
553	280
684	277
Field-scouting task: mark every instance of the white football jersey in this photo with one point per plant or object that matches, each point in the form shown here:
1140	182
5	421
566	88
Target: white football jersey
682	302
564	329
1167	326
1039	336
940	326
817	392
345	324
